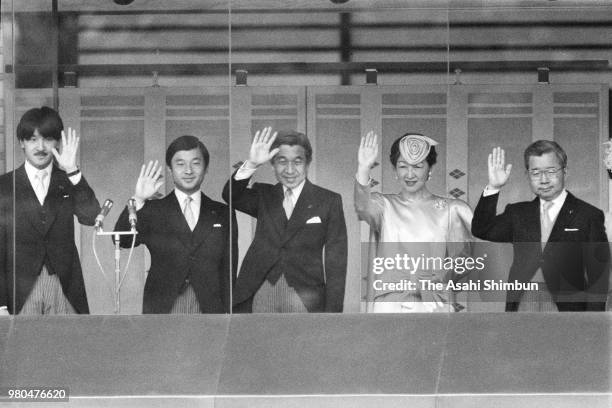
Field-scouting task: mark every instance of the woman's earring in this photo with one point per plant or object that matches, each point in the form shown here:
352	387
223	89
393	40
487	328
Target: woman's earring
428	177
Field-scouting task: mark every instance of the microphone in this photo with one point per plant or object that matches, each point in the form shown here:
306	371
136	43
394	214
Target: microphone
108	204
131	205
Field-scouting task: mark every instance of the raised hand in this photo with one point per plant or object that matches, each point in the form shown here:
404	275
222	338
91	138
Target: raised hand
66	160
260	152
499	172
368	150
149	181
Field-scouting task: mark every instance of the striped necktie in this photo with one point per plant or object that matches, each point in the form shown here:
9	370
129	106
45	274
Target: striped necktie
288	203
187	211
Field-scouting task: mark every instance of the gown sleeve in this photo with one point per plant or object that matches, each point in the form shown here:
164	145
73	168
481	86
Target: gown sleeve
369	206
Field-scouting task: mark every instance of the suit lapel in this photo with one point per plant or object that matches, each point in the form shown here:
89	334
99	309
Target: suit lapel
274	204
301	211
55	195
26	201
205	221
566	215
532	221
176	219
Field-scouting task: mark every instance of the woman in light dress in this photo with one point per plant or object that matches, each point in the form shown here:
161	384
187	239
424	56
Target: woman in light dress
411	225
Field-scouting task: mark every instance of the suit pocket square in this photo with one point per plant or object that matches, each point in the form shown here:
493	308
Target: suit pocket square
571	229
217	226
314	220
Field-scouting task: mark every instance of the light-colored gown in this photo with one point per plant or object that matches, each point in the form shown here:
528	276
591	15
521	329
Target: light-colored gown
434	229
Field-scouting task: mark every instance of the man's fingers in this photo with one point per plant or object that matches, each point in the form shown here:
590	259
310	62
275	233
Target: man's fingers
273	153
256	137
148	169
158	173
55	153
373	139
142	171
265	135
508	168
156	167
272	138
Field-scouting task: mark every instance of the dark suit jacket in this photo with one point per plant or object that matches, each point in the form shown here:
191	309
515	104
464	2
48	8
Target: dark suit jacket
42	235
179	255
295	247
575	259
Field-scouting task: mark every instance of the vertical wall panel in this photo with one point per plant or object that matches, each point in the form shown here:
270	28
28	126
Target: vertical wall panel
497	116
282	109
254	108
414	112
204	114
577	129
22	101
112	152
336	126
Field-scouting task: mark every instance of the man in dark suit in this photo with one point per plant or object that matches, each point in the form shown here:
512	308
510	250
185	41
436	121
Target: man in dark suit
187	234
559	241
297	260
40	271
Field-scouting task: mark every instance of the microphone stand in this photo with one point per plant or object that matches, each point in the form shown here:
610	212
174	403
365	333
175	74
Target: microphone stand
118	279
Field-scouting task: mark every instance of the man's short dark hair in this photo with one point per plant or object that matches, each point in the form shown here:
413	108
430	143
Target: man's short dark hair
431	159
540	147
46	120
293	138
186	142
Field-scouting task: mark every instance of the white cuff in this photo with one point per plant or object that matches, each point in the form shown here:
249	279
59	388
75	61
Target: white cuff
76	178
244	172
489	191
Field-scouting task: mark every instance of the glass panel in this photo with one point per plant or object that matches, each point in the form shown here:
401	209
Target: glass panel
129	79
520	74
320	54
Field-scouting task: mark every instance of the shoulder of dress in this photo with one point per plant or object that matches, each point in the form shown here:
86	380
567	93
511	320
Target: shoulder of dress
459	204
453	204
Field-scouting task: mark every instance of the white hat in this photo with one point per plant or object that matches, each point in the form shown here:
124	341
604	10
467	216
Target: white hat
415	148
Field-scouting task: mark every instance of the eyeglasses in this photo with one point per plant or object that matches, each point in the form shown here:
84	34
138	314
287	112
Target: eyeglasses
550	173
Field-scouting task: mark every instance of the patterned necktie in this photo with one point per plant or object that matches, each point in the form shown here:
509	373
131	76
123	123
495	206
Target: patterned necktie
40	186
189	217
288	203
546	222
